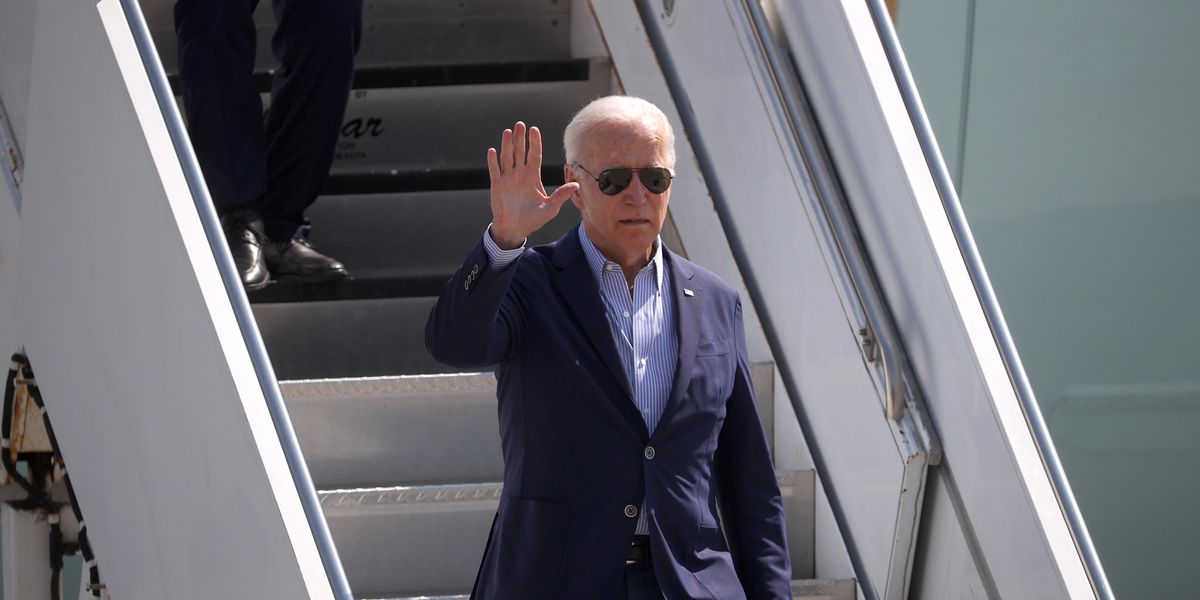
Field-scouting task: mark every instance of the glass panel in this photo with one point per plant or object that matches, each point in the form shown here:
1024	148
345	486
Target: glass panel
1079	144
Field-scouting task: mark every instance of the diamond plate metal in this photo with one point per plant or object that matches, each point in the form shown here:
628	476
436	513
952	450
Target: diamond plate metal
385	496
397	386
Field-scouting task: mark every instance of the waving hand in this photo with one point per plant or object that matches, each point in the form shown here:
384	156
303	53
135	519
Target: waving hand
520	205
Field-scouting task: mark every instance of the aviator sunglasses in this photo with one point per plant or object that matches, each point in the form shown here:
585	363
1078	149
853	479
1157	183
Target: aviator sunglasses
613	181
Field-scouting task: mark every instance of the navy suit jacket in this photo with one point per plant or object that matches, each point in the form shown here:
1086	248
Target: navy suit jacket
574	443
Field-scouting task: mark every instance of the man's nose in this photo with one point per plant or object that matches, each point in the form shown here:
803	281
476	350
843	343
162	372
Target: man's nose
636	193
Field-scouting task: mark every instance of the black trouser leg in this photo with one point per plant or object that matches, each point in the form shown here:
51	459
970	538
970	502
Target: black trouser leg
315	43
216	40
641	583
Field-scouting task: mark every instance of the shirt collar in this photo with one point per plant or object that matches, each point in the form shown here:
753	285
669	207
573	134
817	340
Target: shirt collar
599	264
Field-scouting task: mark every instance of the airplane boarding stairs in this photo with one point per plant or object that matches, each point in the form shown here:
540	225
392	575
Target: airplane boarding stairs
404	451
400	455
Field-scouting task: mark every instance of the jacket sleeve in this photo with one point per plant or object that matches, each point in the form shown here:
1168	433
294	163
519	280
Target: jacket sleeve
748	491
474	322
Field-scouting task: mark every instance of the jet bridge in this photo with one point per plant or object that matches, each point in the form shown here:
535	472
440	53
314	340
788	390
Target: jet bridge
219	448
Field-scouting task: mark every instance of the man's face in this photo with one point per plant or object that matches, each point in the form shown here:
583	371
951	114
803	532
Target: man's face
625	226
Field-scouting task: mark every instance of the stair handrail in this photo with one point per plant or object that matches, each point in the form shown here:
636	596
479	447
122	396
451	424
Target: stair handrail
987	297
309	500
880	337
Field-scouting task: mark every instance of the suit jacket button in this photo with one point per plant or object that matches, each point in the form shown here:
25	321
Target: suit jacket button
649	453
630	511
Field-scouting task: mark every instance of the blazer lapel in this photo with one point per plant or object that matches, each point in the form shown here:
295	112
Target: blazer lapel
689	302
578	288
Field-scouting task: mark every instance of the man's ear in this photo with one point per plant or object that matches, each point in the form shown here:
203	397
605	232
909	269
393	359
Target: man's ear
568	177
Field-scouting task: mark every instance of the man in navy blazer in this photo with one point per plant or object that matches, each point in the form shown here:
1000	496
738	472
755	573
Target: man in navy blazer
625	403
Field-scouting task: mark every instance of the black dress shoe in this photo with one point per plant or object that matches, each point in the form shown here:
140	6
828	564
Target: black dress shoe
295	259
245	235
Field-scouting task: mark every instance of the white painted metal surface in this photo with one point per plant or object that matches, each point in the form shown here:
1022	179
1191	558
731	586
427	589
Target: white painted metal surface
145	373
16	50
10	237
27	571
996	484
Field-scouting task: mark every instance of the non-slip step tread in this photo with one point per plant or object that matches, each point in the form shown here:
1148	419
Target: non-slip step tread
395	496
814	589
396	386
353	500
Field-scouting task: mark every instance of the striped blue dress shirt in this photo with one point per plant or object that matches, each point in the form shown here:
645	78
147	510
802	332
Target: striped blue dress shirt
642	322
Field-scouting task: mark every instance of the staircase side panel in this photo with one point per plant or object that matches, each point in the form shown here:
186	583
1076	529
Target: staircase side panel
10	229
16	50
1004	503
179	471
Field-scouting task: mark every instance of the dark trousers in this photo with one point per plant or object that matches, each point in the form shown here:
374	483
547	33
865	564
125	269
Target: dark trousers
275	164
641	583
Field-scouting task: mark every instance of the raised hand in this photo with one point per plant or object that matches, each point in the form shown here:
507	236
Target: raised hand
520	205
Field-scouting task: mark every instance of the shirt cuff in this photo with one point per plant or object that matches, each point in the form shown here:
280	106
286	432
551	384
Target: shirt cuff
499	258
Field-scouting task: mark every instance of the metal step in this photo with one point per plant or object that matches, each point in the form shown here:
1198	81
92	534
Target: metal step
445	117
347	338
424	234
416	31
409	430
415	430
401	245
411	541
437	127
428	540
813	589
400	251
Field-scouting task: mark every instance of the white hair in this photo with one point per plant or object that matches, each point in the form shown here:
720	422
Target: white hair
616	109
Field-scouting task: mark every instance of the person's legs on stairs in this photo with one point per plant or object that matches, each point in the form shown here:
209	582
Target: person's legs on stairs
315	44
216	41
